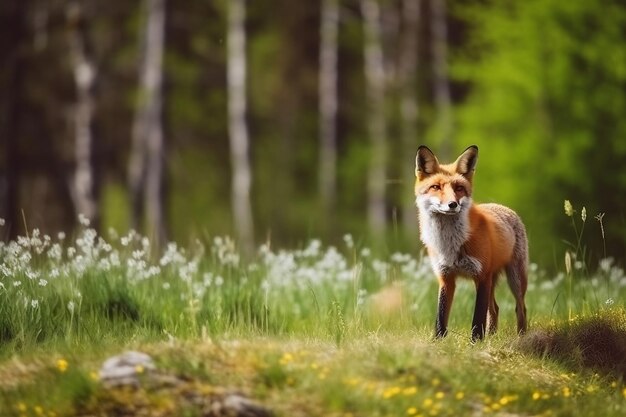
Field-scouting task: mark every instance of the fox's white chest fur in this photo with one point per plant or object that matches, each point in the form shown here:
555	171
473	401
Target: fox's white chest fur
445	235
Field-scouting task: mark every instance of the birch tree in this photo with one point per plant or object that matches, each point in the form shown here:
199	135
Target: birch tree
329	26
147	159
409	108
376	123
237	128
440	71
84	188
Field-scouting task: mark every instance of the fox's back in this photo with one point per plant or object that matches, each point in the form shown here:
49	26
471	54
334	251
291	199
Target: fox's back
508	225
503	216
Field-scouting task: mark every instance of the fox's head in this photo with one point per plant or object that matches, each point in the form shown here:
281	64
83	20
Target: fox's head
444	189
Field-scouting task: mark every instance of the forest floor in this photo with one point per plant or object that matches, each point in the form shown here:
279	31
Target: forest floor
375	374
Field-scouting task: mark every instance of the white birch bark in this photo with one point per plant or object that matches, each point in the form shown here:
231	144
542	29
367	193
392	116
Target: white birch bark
409	109
328	106
238	131
376	123
146	170
441	83
83	187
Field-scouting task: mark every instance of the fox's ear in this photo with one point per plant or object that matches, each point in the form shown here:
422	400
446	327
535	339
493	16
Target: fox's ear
466	163
425	163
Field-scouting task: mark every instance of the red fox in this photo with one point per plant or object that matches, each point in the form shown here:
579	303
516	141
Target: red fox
477	241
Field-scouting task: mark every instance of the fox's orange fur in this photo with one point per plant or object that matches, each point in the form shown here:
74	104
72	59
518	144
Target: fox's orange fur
477	241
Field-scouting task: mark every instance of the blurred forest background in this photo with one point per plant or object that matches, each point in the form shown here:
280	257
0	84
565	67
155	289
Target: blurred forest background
289	120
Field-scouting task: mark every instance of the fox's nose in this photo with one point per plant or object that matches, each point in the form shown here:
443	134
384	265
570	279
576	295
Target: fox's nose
453	204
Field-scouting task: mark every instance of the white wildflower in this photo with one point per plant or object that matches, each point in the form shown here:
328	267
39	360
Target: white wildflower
43	282
34	303
606	263
70	306
32	274
83	220
347	238
1	221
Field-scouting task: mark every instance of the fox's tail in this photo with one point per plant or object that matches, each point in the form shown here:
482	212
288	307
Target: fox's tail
517	272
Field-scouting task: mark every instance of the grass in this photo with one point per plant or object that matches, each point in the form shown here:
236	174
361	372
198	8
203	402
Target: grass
315	331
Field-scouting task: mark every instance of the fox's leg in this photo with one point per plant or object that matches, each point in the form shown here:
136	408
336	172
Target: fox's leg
518	281
447	286
483	295
492	312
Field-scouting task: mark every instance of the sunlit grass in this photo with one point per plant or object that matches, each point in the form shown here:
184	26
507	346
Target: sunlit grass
319	330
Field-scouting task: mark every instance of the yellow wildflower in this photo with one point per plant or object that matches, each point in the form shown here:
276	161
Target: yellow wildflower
391	392
428	402
411	411
351	381
139	369
459	395
21	407
567	392
507	399
409	391
62	365
287	358
536	395
439	395
38	410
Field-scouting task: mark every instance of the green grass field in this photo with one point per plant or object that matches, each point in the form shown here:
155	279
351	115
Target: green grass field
319	331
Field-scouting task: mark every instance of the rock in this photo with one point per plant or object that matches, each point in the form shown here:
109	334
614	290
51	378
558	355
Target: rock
234	404
137	369
125	369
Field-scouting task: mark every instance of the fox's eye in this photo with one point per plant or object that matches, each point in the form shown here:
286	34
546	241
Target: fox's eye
459	188
435	187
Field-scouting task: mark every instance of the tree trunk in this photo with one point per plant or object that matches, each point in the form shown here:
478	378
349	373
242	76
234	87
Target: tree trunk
375	90
11	121
146	171
409	109
238	131
329	26
84	189
441	82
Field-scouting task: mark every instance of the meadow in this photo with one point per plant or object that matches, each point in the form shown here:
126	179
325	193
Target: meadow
320	330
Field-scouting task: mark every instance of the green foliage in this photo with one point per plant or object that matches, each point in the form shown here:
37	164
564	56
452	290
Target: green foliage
546	103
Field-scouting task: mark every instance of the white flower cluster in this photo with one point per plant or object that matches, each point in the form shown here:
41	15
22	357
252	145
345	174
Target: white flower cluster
33	265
